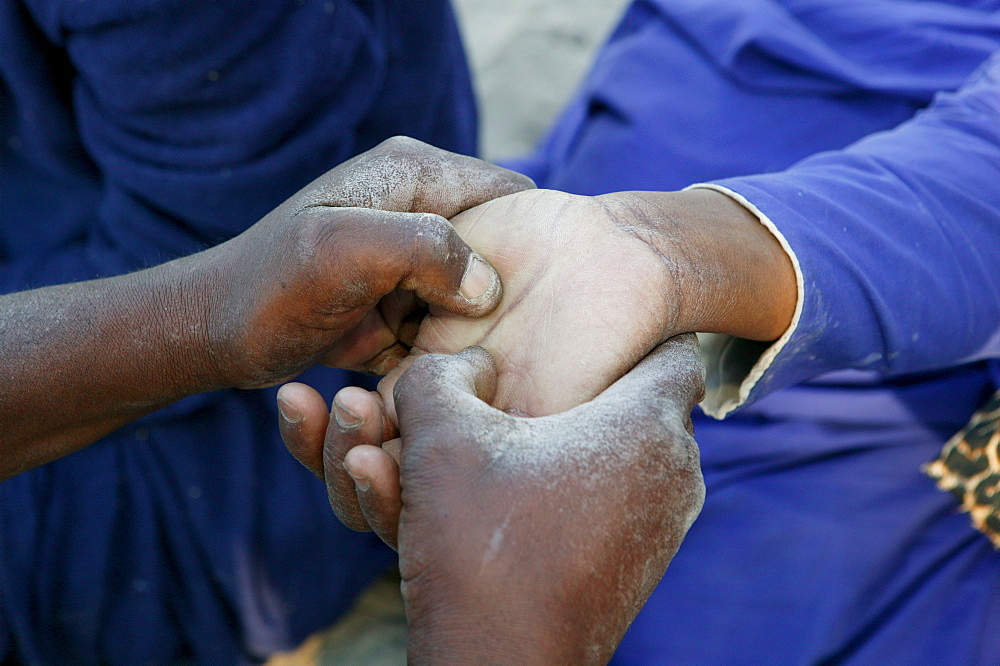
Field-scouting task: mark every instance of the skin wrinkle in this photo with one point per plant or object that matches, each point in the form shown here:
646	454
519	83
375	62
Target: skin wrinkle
514	304
546	323
653	231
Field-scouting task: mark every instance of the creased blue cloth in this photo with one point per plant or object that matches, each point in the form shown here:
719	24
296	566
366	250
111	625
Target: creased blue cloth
132	132
821	541
910	227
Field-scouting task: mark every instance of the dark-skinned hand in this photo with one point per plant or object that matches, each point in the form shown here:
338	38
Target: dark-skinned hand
332	275
521	540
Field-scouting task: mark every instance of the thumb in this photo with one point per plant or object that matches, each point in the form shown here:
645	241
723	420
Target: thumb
448	390
663	388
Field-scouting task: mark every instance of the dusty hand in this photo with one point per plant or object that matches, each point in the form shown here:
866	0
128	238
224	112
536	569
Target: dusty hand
523	540
592	284
586	295
333	274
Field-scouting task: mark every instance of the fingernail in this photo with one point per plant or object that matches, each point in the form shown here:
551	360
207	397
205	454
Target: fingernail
346	419
479	277
289	413
362	482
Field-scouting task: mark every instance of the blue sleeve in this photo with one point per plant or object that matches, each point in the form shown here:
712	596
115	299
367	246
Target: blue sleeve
898	240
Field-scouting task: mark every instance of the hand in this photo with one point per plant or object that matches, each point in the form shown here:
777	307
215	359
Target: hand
586	296
334	273
520	540
592	284
331	275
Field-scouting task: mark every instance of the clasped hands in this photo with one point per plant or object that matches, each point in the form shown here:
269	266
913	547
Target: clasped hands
529	453
522	496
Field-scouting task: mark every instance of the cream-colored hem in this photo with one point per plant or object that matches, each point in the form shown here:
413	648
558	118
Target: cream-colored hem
735	365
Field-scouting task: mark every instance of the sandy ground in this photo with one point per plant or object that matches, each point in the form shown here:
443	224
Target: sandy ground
527	58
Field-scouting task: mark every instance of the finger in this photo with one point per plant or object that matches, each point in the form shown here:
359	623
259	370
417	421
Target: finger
376	479
444	271
358	420
302	422
394	447
360	348
386	387
403	312
382	339
663	387
408	176
409	328
376	252
386	360
437	388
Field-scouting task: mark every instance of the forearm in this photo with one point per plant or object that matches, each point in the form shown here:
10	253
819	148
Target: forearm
456	635
731	274
82	359
506	615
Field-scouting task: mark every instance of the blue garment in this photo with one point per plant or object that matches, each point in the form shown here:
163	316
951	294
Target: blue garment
132	132
821	541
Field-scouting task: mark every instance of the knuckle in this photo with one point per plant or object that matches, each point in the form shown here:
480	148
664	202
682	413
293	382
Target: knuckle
402	157
442	380
432	240
688	370
311	226
432	231
402	144
421	373
317	234
382	177
427	377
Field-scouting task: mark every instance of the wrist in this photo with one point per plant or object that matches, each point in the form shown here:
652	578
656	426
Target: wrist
181	305
489	631
499	619
732	274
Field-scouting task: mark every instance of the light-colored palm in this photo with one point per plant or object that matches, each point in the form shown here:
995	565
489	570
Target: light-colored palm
585	298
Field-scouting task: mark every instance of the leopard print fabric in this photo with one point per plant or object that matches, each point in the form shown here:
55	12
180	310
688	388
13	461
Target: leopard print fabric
969	468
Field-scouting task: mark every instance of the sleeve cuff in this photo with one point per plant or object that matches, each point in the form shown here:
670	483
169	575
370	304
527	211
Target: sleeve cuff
734	365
